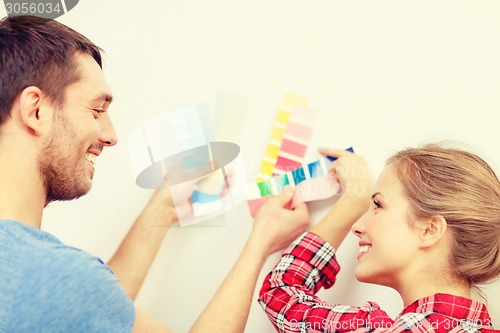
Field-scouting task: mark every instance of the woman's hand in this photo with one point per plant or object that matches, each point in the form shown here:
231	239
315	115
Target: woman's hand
352	172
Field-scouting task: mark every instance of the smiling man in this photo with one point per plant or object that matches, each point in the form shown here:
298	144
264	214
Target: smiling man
54	123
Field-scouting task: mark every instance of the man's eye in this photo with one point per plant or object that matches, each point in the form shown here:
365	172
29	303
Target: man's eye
99	111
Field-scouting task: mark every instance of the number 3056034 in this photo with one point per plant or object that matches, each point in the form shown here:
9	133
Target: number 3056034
48	9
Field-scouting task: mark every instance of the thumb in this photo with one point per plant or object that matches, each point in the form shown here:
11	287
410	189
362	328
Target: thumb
285	196
301	207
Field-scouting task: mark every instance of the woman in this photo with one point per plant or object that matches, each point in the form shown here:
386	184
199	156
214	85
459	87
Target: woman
431	232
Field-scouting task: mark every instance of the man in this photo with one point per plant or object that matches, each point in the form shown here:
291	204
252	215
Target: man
54	123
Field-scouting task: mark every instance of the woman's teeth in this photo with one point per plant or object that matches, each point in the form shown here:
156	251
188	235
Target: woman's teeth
364	248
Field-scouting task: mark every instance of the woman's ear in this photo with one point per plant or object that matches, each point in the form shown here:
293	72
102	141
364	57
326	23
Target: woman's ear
432	230
31	112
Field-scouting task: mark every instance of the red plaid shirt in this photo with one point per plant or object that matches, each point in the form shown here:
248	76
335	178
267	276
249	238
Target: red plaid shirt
288	298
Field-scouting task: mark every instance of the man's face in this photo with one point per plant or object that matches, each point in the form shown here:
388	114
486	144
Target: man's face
81	129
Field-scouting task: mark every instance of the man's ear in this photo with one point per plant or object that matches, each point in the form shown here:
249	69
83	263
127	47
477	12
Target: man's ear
432	230
31	109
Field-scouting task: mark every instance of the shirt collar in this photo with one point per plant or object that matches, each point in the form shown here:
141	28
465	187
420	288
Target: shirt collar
456	307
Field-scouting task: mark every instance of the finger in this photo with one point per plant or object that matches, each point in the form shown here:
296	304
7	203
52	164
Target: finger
332	172
302	208
334	152
183	210
286	196
229	172
229	179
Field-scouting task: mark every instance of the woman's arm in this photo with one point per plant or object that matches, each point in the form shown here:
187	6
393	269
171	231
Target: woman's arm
353	174
288	293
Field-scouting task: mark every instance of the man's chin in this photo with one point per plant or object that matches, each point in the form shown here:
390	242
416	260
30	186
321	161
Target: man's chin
68	195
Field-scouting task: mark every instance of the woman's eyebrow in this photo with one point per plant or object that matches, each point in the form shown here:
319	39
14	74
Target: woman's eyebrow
106	97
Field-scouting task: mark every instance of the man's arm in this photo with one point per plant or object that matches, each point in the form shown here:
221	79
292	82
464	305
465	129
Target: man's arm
274	229
136	253
145	324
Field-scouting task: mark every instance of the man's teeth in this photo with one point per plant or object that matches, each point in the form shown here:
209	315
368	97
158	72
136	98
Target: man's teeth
364	248
90	157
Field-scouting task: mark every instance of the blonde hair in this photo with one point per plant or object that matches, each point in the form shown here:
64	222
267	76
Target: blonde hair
464	189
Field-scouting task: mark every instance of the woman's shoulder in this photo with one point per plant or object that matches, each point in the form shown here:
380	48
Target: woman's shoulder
445	312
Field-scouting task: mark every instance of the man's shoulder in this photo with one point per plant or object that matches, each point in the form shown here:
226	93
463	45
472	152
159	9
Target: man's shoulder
42	277
29	250
15	233
29	253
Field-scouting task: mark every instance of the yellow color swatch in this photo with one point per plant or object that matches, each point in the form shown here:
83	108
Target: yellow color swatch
282	117
278	134
287	102
272	151
291	99
267	168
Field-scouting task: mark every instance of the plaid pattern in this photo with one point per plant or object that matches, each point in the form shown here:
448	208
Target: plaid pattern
288	298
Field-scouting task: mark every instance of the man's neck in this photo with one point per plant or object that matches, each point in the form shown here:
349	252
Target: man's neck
23	196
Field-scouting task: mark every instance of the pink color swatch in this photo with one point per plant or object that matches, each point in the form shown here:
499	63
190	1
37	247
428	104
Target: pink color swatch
295	139
309	190
298	130
293	147
284	164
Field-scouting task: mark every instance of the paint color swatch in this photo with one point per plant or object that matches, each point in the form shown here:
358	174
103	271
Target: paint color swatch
165	135
274	185
295	139
309	190
312	182
230	112
174	145
206	197
271	155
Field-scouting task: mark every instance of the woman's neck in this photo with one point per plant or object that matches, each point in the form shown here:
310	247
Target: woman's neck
416	291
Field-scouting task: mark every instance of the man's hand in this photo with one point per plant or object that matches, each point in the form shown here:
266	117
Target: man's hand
137	251
173	203
176	200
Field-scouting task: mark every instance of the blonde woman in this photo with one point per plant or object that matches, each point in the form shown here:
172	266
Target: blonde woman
431	232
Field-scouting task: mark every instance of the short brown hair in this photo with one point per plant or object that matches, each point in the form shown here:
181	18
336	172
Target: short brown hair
464	189
39	52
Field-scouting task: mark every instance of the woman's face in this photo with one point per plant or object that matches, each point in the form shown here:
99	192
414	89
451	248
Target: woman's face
388	242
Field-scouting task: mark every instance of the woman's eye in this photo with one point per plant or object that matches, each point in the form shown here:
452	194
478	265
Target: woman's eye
97	113
377	204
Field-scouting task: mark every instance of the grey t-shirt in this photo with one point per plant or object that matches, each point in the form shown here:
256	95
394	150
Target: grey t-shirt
46	286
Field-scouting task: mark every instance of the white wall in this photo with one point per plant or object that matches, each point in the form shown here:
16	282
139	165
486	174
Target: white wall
384	74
